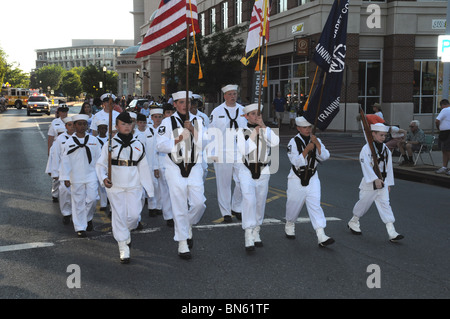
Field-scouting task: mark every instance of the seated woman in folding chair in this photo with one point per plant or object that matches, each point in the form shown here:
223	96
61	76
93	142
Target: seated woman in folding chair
414	139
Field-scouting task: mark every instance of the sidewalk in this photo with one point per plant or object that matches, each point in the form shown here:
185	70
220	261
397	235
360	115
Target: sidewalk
423	172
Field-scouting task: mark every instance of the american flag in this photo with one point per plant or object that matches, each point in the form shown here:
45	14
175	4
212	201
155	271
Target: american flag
169	25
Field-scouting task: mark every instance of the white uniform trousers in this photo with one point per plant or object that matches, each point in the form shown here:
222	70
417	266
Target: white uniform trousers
84	202
65	200
254	196
126	207
381	199
225	172
55	188
164	193
103	196
298	195
187	198
155	201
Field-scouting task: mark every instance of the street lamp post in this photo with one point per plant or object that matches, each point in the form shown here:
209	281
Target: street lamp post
104	78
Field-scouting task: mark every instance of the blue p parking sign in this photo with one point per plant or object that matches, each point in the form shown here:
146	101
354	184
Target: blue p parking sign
444	48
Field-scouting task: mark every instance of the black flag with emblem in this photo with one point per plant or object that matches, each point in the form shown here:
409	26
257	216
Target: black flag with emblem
329	55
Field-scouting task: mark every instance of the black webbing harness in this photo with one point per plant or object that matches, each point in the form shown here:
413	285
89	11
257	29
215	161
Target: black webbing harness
130	161
255	168
185	169
310	167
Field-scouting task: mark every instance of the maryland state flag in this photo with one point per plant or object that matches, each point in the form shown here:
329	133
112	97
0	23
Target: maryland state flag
258	30
329	55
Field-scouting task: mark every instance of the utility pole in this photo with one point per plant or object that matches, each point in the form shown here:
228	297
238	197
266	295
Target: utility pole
446	76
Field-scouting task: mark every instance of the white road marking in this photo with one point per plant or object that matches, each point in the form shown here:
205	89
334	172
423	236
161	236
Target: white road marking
267	221
39	129
25	246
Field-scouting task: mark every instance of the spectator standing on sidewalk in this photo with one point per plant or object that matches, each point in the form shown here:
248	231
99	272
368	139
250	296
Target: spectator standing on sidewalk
278	106
443	125
414	139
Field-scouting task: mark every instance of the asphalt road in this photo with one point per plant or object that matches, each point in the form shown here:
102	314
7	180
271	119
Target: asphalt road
41	258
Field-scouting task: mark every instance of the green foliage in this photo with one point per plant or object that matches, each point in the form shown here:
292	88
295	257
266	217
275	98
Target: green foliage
49	76
91	77
220	55
71	84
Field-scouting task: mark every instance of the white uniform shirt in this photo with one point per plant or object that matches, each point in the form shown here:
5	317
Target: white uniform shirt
75	166
444	118
221	121
369	176
267	139
102	115
56	152
296	158
54	125
126	177
165	141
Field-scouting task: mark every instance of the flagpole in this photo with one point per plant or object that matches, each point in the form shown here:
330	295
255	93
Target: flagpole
319	105
187	89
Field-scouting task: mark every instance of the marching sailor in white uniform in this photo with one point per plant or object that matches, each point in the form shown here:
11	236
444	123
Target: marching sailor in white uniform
56	152
254	173
180	137
305	151
374	189
225	120
104	113
130	173
81	152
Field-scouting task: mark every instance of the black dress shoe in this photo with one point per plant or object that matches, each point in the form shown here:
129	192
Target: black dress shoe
158	212
327	242
66	220
170	223
125	260
152	212
394	240
227	219
90	226
238	215
185	256
190	242
55	199
81	234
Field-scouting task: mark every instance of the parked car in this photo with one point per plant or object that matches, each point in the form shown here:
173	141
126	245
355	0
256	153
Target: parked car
38	104
136	105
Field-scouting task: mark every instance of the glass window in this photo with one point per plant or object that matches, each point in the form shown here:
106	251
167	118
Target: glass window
224	15
238	12
212	20
427	89
369	84
285	72
274	73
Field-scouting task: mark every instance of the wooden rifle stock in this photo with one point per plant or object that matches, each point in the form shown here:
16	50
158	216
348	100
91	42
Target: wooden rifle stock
110	138
369	138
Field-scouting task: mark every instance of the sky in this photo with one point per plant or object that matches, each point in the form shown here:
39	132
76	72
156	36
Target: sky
28	25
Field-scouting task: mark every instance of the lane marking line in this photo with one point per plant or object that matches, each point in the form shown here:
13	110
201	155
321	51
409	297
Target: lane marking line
25	246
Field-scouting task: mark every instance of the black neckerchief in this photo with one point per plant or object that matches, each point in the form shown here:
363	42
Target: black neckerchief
126	139
305	138
79	145
252	125
233	122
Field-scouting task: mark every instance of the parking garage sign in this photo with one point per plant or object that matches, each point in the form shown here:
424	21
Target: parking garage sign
444	48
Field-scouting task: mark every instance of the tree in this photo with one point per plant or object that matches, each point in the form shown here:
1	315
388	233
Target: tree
91	77
71	84
220	55
49	76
